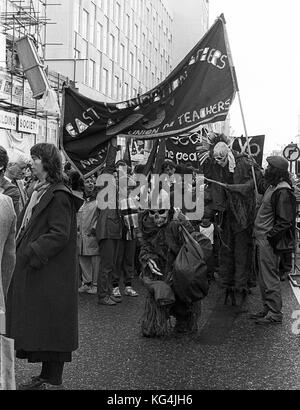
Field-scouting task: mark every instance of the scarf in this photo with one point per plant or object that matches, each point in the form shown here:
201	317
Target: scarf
39	190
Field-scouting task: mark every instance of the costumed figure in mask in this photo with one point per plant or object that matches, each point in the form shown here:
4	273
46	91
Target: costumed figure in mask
161	241
234	204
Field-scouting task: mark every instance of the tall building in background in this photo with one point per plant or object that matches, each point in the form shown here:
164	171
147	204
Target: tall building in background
112	49
191	21
24	120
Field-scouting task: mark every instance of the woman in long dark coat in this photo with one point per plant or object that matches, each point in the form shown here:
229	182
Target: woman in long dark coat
42	304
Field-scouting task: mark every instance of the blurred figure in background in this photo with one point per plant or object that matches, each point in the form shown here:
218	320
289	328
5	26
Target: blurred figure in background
15	174
6	186
88	249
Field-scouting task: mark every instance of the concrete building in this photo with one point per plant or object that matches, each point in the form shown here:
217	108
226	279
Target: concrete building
191	21
23	119
112	49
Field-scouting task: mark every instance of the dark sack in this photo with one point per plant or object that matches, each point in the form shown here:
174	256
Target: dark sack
190	281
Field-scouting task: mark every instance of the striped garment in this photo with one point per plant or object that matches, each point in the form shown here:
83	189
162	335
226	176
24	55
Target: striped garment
130	215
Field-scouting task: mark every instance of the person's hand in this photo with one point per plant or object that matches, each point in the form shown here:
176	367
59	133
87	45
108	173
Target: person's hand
154	268
114	142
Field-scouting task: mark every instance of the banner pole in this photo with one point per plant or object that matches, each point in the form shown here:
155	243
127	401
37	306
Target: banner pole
234	76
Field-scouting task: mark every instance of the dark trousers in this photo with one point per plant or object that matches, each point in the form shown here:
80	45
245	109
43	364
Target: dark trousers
53	371
267	263
235	257
108	266
125	263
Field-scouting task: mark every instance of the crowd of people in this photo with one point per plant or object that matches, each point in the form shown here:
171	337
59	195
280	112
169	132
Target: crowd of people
56	241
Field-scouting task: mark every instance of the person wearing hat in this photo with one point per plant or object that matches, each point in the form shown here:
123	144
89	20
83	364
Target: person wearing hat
274	232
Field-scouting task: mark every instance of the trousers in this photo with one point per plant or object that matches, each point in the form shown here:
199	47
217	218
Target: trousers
267	264
89	267
108	266
125	263
235	258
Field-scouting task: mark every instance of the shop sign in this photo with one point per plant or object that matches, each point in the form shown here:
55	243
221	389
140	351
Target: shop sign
8	120
28	124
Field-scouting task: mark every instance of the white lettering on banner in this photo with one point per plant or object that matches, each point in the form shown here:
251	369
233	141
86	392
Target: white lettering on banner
8	120
28	124
217	108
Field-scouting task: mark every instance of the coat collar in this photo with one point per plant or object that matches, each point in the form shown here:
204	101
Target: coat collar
44	202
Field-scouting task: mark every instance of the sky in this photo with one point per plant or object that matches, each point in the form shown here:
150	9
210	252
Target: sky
264	36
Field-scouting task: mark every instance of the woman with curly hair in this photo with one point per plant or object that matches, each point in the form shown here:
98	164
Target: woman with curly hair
42	301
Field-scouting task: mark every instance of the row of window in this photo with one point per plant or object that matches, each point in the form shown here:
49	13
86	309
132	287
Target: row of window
88	26
103	80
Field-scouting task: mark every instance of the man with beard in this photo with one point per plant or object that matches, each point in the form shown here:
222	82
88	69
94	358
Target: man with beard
274	233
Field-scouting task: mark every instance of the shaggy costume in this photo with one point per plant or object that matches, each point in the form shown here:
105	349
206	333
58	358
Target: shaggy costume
236	207
162	244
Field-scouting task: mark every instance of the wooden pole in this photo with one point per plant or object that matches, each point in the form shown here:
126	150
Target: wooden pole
234	76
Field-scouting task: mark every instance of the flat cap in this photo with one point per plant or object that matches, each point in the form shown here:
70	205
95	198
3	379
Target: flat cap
278	162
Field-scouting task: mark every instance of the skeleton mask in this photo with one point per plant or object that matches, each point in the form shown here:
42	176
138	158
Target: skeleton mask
159	216
221	153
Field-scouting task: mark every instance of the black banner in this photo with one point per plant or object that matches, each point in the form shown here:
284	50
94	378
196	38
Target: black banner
256	145
199	91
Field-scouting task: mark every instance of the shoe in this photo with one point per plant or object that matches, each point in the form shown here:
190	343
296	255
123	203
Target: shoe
129	291
36	383
84	288
107	301
115	299
92	290
259	315
116	293
268	320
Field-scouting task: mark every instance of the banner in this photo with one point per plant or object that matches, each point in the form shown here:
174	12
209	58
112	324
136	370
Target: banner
183	149
199	90
256	145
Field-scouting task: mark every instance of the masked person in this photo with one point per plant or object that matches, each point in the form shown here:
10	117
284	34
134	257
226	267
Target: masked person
161	242
274	233
235	205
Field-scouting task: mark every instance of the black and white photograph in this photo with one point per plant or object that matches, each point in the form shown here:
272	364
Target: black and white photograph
149	198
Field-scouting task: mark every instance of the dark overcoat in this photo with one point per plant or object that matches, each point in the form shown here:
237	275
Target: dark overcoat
42	302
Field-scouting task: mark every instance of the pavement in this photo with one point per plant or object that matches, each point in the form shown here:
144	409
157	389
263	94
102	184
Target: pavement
229	352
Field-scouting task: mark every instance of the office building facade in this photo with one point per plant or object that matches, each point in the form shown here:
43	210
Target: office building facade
112	49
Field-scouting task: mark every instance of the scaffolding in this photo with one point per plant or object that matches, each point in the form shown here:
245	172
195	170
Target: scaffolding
21	18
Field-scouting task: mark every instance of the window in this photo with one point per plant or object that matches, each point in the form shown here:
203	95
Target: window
125	92
122	56
104	85
116	88
85	24
111	51
131	62
139	69
85	49
99	36
93	22
77	16
127	25
92	72
105	31
118	14
112	9
136	34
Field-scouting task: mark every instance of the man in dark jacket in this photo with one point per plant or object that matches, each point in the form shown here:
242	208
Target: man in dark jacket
274	233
